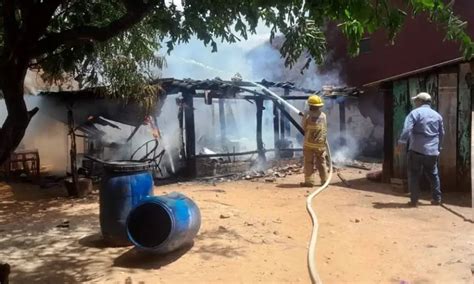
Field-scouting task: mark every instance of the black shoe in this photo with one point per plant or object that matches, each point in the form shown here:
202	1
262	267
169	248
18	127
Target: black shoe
435	202
412	204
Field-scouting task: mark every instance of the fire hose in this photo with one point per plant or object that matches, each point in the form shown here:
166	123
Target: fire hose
315	279
313	273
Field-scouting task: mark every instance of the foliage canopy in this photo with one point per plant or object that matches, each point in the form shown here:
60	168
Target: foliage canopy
115	42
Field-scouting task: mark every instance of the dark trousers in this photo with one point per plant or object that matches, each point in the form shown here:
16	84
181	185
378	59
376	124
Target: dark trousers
419	164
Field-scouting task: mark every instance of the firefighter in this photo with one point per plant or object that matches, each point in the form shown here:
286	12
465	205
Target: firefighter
314	148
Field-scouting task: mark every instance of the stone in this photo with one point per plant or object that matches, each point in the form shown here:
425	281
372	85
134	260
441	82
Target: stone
270	180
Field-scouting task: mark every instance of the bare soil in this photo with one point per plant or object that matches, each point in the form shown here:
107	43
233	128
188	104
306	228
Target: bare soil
251	232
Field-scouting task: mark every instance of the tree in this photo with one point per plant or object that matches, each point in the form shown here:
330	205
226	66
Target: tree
114	42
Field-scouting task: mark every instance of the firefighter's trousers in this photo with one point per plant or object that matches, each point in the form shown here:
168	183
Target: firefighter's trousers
314	158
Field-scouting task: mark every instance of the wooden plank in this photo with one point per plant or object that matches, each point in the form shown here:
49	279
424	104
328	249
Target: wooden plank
415	86
431	86
400	110
464	130
388	132
447	104
472	158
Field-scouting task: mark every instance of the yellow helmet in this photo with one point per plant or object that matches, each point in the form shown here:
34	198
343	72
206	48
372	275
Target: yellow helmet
315	100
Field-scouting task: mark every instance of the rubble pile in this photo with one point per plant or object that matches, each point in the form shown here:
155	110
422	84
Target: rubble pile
274	170
271	174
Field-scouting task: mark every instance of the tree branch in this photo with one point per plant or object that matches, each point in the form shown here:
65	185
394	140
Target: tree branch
10	23
35	26
136	11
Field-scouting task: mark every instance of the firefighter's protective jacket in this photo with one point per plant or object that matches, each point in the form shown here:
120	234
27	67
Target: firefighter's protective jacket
315	128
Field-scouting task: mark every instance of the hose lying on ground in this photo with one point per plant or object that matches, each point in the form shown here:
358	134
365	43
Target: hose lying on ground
313	273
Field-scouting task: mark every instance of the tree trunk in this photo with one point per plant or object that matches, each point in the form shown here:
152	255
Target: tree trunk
12	77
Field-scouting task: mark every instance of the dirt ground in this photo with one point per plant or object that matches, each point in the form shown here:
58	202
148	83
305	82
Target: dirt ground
251	232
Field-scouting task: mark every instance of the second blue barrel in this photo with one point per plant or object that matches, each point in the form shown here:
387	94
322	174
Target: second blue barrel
161	224
124	185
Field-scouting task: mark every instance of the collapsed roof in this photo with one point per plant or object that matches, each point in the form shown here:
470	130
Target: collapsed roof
132	112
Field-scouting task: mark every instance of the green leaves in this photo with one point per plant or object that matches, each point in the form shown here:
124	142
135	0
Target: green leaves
444	16
304	37
128	60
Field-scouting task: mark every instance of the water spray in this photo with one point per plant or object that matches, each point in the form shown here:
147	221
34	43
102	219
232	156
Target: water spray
279	99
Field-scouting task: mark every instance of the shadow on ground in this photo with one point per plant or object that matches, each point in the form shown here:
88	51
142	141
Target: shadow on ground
394	205
462	199
134	258
291	186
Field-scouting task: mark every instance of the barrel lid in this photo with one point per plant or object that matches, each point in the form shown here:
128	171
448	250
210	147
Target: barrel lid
127	166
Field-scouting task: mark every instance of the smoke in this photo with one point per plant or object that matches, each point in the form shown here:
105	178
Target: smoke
254	59
46	134
346	148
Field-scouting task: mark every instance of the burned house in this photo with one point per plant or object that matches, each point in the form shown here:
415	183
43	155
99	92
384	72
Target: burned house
195	127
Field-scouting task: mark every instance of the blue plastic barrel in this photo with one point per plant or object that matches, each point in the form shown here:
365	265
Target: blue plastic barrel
124	185
161	224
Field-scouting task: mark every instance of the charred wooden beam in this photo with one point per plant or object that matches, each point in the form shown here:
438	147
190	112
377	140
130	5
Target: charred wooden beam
342	119
260	147
190	134
229	154
222	121
285	113
179	102
282	123
73	150
276	128
286	124
134	132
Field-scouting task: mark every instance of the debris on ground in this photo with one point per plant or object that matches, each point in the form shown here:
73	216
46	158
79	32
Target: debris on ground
270	179
375	176
64	224
282	169
346	183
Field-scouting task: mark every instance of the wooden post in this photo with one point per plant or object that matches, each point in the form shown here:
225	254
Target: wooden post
73	150
282	123
276	129
287	115
342	121
180	103
222	122
286	123
260	148
190	134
